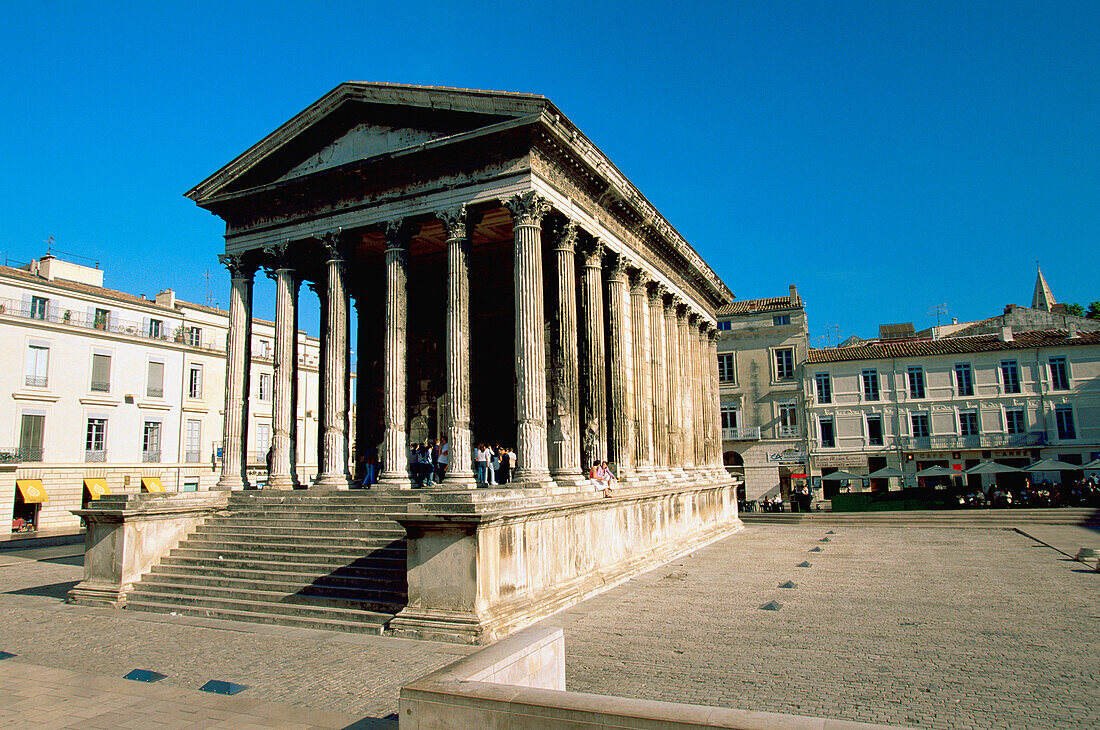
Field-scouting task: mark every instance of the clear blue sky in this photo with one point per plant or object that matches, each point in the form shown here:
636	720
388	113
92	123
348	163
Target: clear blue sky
885	157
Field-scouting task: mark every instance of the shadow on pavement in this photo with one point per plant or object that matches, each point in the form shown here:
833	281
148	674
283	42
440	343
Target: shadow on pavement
77	560
54	590
374	723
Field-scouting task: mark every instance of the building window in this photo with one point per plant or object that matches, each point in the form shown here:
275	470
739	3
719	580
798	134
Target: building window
964	379
916	382
192	443
824	387
265	387
781	319
150	442
1010	376
156	329
39	307
101	373
968	423
95	440
38	358
31	432
828	434
788	420
1063	416
726	371
194	381
874	430
784	363
263	442
730	417
870	384
919	422
102	319
1014	420
190	485
725	325
1059	373
154	387
193	336
264	348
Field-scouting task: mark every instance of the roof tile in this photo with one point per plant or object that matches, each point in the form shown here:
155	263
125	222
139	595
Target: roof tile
951	346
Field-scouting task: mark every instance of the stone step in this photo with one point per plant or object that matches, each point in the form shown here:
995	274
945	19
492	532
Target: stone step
392	579
297	519
363	531
371	623
349	501
244	554
203	587
363	567
286	544
257	601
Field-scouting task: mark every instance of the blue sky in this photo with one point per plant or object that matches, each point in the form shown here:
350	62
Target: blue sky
885	157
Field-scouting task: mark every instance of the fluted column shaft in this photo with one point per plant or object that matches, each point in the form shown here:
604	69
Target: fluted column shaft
238	359
593	365
687	401
707	439
458	224
282	473
675	405
658	376
620	442
395	472
334	388
714	409
565	439
643	408
697	390
527	211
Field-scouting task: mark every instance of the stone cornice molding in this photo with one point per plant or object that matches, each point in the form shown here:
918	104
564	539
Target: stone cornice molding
566	236
458	222
240	266
527	208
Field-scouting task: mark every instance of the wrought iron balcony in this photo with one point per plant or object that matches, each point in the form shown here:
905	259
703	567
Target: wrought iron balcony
741	433
154	392
786	432
978	441
11	455
101	387
95	455
192	457
38	381
150	457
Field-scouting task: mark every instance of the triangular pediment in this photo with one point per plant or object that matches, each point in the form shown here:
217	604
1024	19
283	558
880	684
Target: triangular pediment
357	121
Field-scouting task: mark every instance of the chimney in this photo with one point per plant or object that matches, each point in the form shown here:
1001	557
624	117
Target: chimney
1072	330
795	300
954	320
1009	308
1006	334
167	298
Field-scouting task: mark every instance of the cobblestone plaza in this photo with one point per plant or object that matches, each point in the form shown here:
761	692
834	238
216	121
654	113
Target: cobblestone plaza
915	626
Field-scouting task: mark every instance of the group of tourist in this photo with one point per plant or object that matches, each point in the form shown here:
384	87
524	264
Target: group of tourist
494	464
1081	493
602	477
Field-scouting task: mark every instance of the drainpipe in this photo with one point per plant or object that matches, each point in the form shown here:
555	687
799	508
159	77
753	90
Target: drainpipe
897	420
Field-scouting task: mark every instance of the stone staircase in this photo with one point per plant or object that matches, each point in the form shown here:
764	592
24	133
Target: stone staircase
333	560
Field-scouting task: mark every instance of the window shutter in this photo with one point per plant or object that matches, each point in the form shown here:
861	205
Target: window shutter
101	368
156	376
26	305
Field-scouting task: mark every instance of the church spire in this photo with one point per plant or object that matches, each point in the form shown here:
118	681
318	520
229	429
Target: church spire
1043	298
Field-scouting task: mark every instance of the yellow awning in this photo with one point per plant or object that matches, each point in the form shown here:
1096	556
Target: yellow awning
152	484
96	487
32	490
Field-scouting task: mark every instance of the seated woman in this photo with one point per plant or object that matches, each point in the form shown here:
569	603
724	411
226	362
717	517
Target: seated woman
611	480
600	477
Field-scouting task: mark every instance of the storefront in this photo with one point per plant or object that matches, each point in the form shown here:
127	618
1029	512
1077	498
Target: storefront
29	498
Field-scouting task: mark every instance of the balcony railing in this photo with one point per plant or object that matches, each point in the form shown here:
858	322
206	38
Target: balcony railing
979	441
73	318
95	455
101	387
16	454
154	392
787	432
150	457
192	457
741	433
38	381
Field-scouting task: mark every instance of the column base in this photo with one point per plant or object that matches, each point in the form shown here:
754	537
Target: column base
532	478
326	482
280	482
456	481
228	482
90	593
395	481
568	479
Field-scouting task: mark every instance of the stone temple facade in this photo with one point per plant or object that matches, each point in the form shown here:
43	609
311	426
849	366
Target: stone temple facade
510	286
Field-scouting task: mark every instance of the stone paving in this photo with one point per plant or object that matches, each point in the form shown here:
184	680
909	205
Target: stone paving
924	627
951	628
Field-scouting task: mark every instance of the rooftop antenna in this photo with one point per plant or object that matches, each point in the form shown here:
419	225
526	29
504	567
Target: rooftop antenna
831	336
49	245
209	294
940	310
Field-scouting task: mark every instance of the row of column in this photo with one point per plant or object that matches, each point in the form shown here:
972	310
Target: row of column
635	372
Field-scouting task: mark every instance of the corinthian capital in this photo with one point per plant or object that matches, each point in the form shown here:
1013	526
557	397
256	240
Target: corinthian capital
335	244
638	278
278	255
565	236
617	265
458	222
239	266
527	208
399	232
593	253
657	292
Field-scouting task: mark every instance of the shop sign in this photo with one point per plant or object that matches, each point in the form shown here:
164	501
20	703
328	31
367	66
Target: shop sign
837	461
787	457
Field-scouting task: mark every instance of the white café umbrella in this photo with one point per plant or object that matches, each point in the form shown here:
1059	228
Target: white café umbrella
1052	465
1093	465
938	471
839	476
885	473
991	467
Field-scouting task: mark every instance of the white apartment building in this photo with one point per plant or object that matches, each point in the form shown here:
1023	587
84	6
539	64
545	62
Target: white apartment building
953	402
111	392
762	346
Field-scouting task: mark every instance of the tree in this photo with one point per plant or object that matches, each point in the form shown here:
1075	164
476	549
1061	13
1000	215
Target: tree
1094	310
1075	309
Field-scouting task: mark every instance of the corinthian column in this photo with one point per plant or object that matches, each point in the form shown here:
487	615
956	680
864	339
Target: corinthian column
334	388
643	407
593	362
705	438
238	359
527	211
687	401
459	225
565	441
697	419
658	376
281	474
674	395
620	442
714	410
395	472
